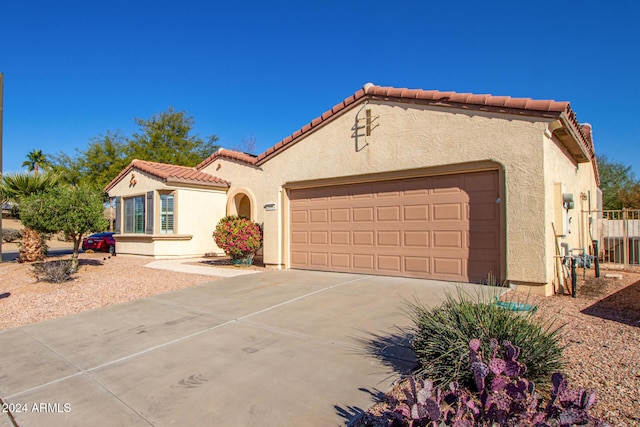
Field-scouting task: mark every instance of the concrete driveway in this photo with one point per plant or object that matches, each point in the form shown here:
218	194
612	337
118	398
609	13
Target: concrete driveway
280	348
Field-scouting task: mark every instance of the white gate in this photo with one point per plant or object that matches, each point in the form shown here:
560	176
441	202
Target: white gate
619	236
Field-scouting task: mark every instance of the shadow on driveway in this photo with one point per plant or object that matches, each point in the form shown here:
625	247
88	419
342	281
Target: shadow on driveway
393	351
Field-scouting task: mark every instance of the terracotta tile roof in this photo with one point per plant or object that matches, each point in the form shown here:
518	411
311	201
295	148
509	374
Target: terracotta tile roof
500	104
170	173
506	102
228	154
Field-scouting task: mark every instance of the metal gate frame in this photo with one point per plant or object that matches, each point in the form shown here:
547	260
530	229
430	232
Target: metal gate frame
618	234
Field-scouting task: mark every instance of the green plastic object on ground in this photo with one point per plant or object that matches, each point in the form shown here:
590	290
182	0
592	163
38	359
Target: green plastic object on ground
515	306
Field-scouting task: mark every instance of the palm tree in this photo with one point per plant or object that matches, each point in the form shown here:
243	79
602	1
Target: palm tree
15	187
36	160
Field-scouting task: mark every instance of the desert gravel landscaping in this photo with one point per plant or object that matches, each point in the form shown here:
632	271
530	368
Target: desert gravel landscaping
602	335
100	281
602	330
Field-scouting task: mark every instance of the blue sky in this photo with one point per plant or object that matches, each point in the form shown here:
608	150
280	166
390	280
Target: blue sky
257	69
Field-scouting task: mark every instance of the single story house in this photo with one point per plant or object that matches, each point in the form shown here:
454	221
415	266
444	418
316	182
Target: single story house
166	211
399	182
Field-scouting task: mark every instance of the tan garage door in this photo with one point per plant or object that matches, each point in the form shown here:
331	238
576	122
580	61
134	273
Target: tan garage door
444	227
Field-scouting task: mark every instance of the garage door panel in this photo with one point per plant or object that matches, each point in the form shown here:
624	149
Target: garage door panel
340	237
447	211
417	239
340	261
299	237
483	182
389	238
299	217
390	263
479	269
488	211
319	259
363	261
363	214
443	227
362	196
447	266
340	215
319	215
363	238
416	213
447	240
484	240
447	184
299	258
418	194
388	213
319	237
417	265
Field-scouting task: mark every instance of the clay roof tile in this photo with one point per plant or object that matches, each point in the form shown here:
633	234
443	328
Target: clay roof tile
167	172
227	154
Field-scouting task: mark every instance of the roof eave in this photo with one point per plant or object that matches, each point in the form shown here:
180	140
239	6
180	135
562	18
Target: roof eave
192	182
118	178
312	126
572	140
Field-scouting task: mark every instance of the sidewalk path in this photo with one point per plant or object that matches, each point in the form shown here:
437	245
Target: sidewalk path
185	266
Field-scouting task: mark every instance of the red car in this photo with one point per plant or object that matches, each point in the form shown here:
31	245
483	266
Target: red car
100	242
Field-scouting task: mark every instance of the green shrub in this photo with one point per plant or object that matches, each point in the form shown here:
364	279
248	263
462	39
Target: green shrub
442	335
56	271
10	234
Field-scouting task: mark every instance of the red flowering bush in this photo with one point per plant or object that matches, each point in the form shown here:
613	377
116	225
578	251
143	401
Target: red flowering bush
238	237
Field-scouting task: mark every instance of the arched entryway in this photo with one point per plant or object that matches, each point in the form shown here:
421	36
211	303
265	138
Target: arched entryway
242	203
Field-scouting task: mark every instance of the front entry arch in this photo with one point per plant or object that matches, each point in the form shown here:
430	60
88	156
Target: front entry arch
242	203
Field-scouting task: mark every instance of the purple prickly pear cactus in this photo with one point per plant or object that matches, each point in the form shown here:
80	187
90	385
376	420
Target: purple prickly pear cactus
480	372
497	366
504	397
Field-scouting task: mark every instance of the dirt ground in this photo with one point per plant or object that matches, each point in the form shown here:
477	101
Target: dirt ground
602	335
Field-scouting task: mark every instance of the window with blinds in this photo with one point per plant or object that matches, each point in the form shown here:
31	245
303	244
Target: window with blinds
166	213
134	214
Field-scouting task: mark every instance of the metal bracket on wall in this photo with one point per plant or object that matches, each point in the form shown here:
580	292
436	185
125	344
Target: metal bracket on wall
364	126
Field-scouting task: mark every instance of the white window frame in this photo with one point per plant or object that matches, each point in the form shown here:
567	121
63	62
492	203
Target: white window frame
167	215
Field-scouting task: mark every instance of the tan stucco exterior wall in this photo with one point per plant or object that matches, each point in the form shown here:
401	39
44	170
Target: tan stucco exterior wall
415	140
143	183
244	179
196	212
563	174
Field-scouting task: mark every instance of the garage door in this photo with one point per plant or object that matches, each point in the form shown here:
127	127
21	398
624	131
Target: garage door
443	227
